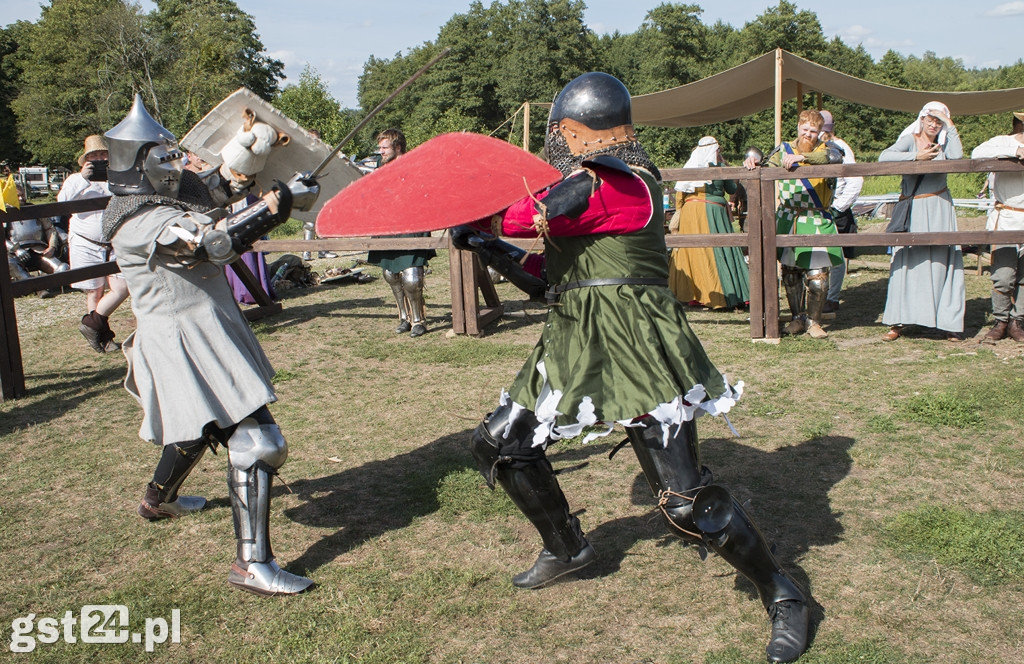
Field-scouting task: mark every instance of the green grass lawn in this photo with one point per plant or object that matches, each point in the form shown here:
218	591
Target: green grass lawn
888	475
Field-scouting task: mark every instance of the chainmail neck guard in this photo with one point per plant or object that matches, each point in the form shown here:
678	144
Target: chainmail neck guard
561	157
192	195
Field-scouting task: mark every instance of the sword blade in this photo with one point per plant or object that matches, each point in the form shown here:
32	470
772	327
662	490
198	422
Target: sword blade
377	108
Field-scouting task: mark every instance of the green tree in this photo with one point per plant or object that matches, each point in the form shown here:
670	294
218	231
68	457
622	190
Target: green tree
931	72
311	105
207	49
11	150
501	56
786	27
670	48
73	78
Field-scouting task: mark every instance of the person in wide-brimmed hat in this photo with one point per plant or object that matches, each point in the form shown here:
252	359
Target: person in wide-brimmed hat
95	147
86	245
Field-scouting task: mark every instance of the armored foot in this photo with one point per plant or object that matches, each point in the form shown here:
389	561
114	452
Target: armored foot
267	579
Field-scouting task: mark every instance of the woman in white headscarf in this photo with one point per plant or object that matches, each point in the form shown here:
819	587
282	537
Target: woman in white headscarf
926	284
714	277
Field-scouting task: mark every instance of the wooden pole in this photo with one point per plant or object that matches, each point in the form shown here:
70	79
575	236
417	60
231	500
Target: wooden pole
526	126
778	96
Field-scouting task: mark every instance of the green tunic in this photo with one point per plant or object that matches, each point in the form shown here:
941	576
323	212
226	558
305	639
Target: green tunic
397	260
614	353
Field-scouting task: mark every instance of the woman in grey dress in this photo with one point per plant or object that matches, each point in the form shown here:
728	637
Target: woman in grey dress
926	284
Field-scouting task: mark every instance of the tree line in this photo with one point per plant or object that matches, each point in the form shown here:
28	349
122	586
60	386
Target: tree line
75	70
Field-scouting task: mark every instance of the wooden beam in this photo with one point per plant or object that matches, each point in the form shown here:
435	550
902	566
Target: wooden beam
778	96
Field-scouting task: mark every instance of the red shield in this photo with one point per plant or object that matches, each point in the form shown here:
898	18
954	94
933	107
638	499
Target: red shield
451	179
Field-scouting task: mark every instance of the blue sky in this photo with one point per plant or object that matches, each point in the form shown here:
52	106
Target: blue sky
338	37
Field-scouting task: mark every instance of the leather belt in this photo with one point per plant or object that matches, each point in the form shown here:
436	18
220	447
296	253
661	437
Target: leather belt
1004	206
934	193
554	292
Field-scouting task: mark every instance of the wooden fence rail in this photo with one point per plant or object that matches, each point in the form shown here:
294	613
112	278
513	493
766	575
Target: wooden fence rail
469	281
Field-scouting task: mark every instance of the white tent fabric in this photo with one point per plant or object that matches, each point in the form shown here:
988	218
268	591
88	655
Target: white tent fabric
750	87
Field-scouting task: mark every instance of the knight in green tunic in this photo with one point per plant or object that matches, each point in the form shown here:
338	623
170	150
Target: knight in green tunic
617	348
403	270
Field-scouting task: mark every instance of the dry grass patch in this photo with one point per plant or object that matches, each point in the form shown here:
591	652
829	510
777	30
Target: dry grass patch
856	457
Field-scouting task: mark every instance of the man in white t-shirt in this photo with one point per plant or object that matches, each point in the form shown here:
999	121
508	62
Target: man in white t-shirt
86	246
1007	215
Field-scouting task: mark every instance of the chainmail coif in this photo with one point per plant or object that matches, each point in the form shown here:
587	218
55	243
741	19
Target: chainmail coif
192	195
632	153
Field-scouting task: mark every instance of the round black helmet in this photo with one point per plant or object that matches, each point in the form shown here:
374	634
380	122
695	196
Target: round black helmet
595	99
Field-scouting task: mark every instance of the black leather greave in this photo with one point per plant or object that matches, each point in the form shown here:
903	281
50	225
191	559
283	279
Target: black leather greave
528	479
535	491
175	465
675	468
729	531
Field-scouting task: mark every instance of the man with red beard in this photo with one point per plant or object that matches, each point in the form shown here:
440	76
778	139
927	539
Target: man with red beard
804	210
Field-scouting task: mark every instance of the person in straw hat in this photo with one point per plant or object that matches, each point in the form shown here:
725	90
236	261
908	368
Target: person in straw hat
86	246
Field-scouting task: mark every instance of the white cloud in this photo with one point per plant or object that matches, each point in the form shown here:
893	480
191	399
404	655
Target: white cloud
1007	9
854	34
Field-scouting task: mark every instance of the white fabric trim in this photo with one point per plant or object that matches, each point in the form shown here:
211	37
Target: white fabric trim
915	126
671	414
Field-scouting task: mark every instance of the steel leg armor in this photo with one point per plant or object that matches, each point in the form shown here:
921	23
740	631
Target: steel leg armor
255	451
407	287
793	282
394	279
176	463
308	233
412	286
527	477
817	293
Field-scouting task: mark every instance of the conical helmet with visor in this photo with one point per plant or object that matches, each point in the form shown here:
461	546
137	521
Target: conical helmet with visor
144	155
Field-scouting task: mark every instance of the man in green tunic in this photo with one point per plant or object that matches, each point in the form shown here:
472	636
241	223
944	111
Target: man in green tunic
403	270
617	349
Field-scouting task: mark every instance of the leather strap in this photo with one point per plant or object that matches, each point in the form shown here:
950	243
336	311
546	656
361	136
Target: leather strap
1004	206
554	292
934	193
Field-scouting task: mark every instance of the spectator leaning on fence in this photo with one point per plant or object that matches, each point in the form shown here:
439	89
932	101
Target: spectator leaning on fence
804	210
1007	215
926	284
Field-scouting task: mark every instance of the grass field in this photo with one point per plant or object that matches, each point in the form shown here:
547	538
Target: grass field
889	475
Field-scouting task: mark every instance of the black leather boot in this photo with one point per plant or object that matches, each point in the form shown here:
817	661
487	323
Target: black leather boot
730	532
535	491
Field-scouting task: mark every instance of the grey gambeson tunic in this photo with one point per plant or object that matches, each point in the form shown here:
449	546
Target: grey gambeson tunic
192	359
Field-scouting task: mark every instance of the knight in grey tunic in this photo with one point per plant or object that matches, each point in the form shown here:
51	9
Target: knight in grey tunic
194	365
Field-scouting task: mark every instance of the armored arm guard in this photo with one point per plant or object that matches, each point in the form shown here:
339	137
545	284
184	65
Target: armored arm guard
503	257
834	152
247	226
